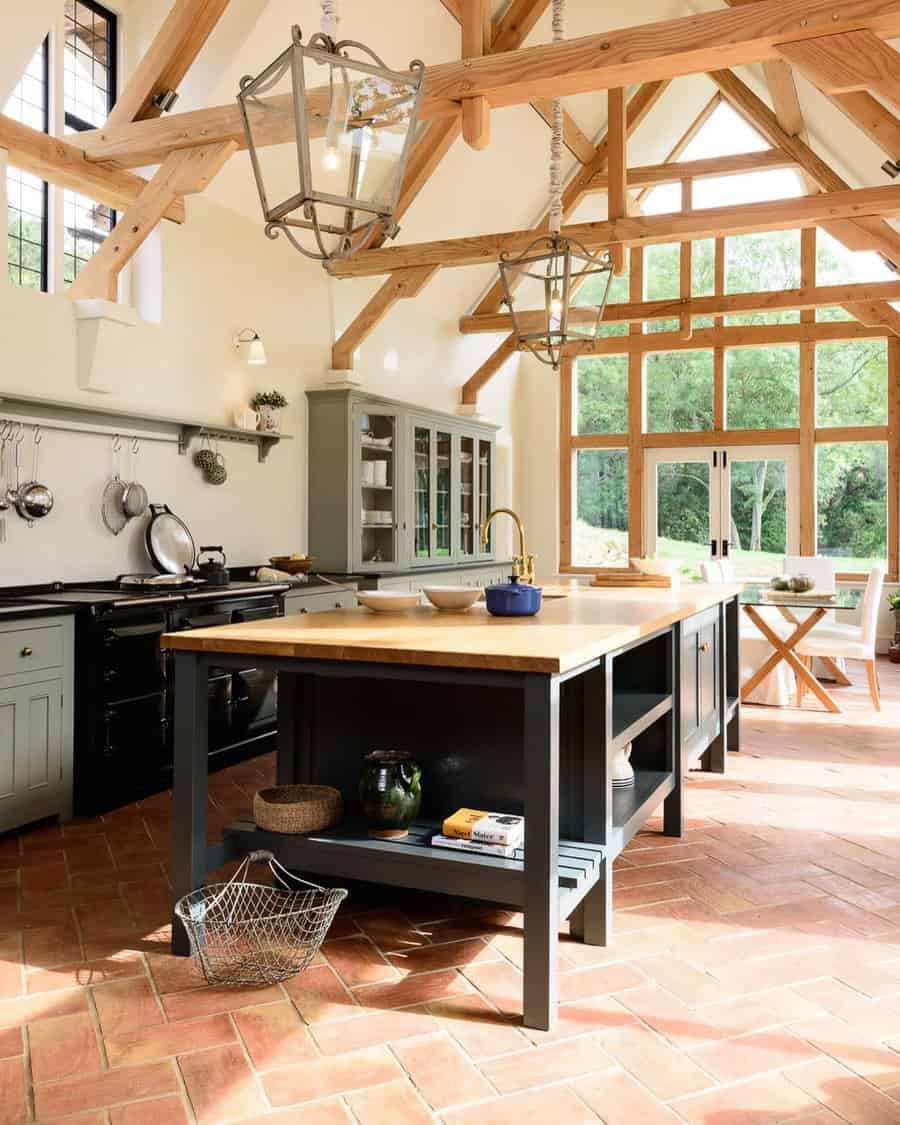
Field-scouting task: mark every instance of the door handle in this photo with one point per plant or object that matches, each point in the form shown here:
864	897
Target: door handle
724	548
714	546
705	647
27	651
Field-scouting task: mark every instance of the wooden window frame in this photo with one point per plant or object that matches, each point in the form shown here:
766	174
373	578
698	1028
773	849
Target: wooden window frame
45	217
807	436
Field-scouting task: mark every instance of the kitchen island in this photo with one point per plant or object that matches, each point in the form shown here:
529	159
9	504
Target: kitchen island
514	714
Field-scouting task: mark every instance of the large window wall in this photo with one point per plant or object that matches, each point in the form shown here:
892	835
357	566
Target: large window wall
816	395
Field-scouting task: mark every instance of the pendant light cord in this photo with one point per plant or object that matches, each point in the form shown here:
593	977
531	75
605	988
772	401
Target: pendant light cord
556	135
330	18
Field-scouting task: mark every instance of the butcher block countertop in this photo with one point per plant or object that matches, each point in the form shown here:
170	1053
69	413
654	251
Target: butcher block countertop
569	631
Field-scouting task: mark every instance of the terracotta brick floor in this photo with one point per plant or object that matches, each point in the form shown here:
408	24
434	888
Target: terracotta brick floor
755	975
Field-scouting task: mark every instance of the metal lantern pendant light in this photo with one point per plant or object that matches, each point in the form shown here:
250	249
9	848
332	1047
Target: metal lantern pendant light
560	268
327	197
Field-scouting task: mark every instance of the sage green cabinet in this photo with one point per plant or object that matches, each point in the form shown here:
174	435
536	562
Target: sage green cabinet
393	487
36	685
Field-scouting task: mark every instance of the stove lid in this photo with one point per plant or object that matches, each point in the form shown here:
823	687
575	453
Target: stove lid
170	544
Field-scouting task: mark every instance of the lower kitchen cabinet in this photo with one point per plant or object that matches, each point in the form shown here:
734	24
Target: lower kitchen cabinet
36	723
317	601
479	576
701	682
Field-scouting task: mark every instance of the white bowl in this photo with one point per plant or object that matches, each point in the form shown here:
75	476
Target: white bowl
387	601
455	598
657	566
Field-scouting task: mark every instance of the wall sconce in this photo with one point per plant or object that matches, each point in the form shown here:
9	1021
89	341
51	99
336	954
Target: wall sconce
256	353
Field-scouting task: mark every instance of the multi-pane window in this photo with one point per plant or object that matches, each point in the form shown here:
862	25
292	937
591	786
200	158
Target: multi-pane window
89	86
679	391
852	383
27	196
600	534
601	394
851	501
763	387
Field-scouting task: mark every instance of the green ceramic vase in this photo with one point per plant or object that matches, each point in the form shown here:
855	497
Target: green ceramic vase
391	792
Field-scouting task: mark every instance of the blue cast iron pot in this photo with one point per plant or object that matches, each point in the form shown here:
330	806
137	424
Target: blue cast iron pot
513	599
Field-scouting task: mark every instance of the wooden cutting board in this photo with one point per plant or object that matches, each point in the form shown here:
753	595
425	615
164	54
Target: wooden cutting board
634	578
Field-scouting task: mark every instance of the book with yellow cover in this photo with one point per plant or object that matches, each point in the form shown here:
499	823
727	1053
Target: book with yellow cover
485	827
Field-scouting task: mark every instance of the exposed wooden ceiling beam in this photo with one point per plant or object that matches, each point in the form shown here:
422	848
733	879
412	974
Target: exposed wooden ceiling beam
488	370
845	63
870	116
575	141
649	52
663	50
873	234
748	218
822	296
673	172
516	24
399	286
782	88
182	174
684	140
639	105
177	43
55	160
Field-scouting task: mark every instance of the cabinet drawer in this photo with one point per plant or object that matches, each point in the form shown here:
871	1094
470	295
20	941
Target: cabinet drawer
31	650
319	603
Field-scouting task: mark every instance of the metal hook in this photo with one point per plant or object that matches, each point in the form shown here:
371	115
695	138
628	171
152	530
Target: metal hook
135	446
116	443
20	433
37	436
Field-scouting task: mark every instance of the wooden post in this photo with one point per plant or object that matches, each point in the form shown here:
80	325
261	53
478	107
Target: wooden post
686	327
893	347
476	41
567	368
616	132
807	454
636	398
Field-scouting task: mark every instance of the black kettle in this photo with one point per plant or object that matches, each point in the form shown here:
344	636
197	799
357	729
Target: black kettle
212	570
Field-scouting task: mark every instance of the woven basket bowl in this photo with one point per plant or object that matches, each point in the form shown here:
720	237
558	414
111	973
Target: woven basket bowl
297	808
292	566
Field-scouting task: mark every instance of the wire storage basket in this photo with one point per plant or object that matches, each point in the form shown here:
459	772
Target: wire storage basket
248	933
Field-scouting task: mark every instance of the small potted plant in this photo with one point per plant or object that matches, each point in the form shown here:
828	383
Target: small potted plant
267	404
894	603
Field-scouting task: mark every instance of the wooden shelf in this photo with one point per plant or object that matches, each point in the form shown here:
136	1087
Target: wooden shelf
633	712
87	417
347	852
633	806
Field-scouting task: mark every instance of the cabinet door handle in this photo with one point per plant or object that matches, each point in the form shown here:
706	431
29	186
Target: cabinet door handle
304	611
705	647
27	651
337	605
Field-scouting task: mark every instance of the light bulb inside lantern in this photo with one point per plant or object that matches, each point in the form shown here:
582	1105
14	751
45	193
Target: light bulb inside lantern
331	159
556	305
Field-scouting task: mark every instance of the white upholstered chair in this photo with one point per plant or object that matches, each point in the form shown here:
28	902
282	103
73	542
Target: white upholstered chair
854	642
821	570
775	690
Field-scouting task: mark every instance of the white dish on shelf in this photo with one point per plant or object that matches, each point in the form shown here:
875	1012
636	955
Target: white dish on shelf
452	598
387	601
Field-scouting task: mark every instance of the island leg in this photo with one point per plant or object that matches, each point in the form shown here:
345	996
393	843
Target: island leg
591	920
190	785
673	813
541	770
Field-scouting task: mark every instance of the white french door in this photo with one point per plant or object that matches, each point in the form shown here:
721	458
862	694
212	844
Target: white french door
726	502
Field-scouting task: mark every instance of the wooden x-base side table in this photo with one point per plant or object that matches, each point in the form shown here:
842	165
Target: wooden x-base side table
784	650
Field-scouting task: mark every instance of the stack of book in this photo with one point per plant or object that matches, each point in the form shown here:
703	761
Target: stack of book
488	833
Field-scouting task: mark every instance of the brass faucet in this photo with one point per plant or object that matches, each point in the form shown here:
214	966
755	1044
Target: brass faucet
523	563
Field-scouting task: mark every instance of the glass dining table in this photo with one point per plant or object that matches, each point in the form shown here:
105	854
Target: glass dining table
815	605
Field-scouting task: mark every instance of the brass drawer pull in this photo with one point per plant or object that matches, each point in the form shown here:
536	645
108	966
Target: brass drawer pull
27	651
705	646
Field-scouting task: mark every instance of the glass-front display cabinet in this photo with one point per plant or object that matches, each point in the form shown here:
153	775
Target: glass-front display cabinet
394	488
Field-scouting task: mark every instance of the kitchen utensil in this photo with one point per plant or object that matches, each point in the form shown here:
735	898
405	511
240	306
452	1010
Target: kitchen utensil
216	473
170	544
12	494
291	565
112	508
513	599
246	419
210	569
5	438
386	601
390	791
452	598
35	500
166	581
204	458
134	499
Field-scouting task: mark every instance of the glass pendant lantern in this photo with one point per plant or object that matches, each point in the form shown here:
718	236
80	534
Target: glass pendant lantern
329	130
566	283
